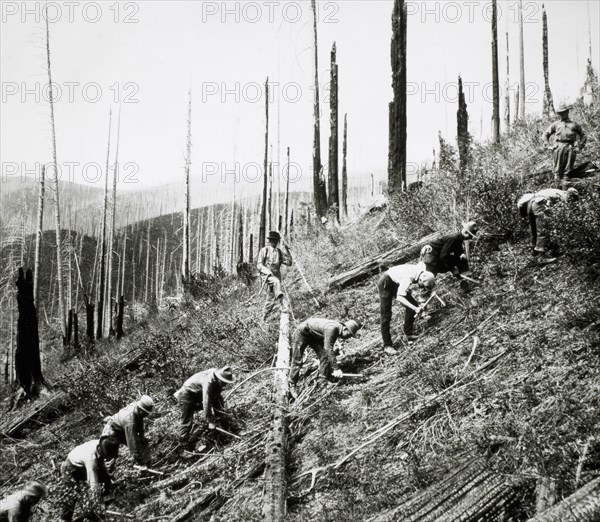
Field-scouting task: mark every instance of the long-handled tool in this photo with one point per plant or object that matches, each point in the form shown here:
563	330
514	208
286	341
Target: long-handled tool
357	375
228	433
302	275
119	514
470	279
153	471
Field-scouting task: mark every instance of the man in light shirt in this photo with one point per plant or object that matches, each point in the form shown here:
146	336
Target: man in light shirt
270	259
18	506
396	282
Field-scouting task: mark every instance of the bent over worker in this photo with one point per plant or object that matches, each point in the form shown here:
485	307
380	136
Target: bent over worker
396	282
270	259
87	462
320	335
203	390
569	138
17	507
127	426
447	254
536	207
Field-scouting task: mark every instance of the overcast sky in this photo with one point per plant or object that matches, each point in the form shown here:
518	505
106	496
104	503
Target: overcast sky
148	54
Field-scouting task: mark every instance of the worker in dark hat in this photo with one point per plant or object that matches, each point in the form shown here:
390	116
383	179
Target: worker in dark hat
447	254
127	426
203	390
270	259
569	138
18	506
87	462
320	335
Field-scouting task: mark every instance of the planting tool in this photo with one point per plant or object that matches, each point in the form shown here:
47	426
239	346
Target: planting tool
358	375
440	300
228	433
470	279
153	471
119	514
302	275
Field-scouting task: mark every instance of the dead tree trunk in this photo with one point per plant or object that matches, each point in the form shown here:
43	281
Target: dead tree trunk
507	89
120	314
251	249
38	241
101	295
381	262
113	228
59	270
334	190
495	77
521	65
397	117
240	240
345	170
548	101
319	189
75	331
287	193
263	210
148	247
581	506
28	366
274	507
462	132
185	269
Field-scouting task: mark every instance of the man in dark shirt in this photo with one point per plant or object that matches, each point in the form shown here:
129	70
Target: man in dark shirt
447	254
320	335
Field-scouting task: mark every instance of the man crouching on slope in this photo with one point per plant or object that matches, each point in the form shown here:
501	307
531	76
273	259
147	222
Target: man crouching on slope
320	335
396	282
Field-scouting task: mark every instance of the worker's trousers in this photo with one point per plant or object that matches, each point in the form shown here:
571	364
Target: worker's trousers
563	156
139	448
326	360
189	403
387	292
538	221
275	298
72	475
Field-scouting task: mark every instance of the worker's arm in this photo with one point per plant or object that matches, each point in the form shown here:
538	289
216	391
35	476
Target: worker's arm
261	260
136	442
17	515
286	256
582	138
450	253
330	335
208	391
407	304
549	132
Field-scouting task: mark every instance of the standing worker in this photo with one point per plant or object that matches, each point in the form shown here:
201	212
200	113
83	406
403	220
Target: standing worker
320	335
127	426
270	259
447	254
87	462
536	207
203	390
569	138
396	282
17	507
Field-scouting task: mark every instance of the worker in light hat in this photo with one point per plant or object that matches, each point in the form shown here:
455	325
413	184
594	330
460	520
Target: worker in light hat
18	506
127	426
320	335
447	254
396	282
203	390
569	138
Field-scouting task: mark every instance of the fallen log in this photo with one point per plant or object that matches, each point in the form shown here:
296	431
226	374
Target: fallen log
18	420
374	265
274	506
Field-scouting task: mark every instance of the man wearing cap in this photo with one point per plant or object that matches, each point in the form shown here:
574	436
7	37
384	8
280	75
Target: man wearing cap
203	390
270	259
17	507
569	138
87	462
320	335
536	207
447	254
396	282
127	426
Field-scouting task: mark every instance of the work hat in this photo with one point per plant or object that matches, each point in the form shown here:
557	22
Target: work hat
352	327
562	107
274	235
109	447
573	193
470	228
225	374
145	404
427	279
37	489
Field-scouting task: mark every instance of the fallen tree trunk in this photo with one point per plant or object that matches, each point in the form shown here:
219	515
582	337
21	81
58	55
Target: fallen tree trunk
374	265
581	506
274	507
18	420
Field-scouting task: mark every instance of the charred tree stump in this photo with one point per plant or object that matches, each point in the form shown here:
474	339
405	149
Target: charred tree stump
89	315
75	332
28	366
120	313
69	326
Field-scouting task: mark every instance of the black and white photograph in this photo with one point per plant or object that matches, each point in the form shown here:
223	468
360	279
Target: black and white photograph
300	260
